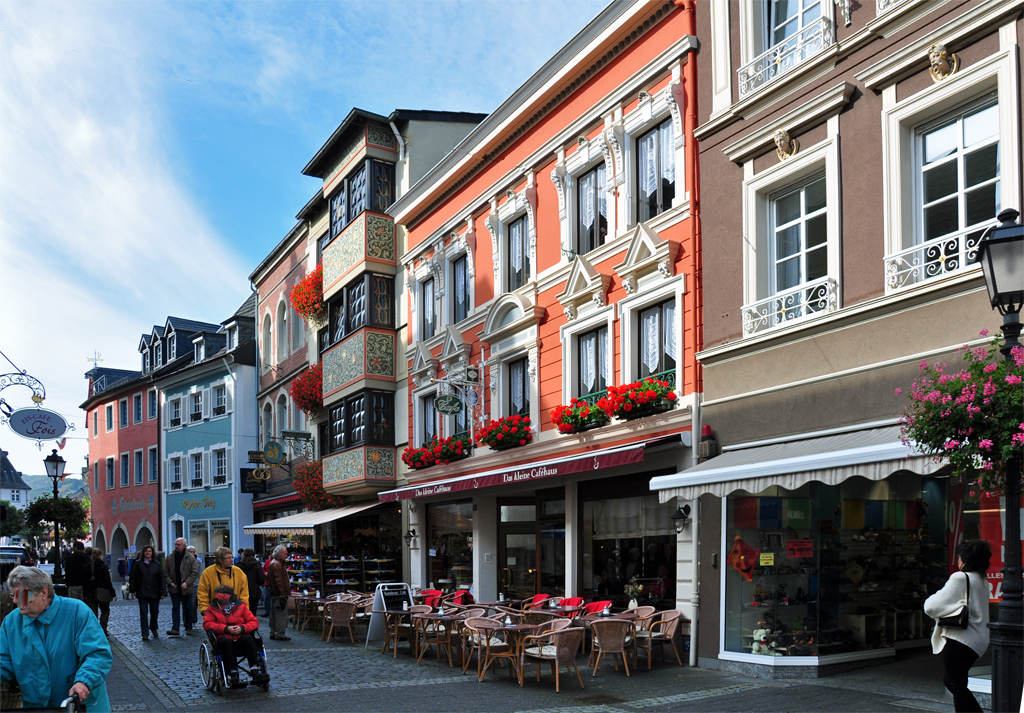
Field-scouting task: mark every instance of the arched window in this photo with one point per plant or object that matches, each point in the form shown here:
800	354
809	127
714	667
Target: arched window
282	414
298	330
282	332
266	345
268	423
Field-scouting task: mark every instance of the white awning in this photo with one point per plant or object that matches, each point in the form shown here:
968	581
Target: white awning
874	454
305	522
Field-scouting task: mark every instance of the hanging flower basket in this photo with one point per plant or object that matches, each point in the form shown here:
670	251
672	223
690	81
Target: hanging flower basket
307	298
639	399
507	432
437	451
307	390
578	416
309	484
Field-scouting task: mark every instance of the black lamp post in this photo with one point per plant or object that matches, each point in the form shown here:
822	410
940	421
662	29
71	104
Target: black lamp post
55	471
1001	254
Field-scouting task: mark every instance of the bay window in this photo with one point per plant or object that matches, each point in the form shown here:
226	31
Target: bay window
364	418
366	302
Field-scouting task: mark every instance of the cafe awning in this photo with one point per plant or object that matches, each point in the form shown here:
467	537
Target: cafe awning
874	454
305	522
605	458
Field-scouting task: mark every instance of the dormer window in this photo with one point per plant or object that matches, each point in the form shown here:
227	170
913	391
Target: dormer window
145	362
159	354
172	348
200	352
232	340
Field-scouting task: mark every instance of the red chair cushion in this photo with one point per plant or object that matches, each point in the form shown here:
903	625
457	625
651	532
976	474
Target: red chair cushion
462	598
595	607
433	596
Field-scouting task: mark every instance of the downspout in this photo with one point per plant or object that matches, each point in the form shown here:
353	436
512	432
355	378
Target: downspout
695	594
401	142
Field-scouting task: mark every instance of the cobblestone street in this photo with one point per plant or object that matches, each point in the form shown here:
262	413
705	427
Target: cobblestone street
310	675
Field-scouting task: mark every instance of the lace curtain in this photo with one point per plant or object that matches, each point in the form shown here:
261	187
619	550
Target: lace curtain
515	245
517	379
460	282
668	157
588	362
606	359
587	201
670	330
428	303
648	164
651	343
429	419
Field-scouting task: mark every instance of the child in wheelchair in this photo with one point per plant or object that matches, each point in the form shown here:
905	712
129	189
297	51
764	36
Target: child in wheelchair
232	624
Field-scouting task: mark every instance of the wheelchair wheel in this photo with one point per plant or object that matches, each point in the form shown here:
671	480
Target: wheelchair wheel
206	667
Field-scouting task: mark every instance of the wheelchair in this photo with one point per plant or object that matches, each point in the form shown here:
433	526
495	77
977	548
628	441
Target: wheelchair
212	666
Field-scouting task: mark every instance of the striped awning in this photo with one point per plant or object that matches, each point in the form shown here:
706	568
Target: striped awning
305	522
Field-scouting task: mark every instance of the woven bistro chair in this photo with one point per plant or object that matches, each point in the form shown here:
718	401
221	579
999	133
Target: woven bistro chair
488	645
339	615
433	633
661	629
558	648
404	629
538	617
643	616
592	608
612	636
537	601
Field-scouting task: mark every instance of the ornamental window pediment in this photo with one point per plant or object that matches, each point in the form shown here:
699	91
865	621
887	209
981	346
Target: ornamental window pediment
585	288
455	350
510	314
424	366
648	255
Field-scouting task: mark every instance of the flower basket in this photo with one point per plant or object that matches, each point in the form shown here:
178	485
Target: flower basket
307	390
437	451
309	484
507	432
578	416
639	399
307	298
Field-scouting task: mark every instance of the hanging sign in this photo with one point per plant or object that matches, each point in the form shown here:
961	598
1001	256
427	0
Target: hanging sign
253	481
38	424
472	375
273	452
448	404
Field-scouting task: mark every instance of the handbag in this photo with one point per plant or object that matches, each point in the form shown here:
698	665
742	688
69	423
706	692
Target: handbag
104	595
960	620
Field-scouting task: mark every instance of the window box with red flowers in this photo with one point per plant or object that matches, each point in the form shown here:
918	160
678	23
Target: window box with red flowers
307	298
307	390
437	451
309	484
639	399
507	432
580	415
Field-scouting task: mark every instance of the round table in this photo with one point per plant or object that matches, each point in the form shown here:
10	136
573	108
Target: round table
444	641
517	630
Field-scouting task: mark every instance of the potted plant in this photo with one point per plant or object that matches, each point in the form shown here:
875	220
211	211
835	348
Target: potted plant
641	398
633	591
971	417
307	298
578	416
437	451
307	390
507	432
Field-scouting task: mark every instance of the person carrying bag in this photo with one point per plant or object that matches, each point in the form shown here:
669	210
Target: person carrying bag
960	611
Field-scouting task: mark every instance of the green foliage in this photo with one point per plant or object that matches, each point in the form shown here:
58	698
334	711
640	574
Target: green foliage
70	513
13	522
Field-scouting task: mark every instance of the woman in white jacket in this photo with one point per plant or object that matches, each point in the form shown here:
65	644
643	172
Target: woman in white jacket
960	648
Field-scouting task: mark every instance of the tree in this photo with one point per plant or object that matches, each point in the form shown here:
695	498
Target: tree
13	521
71	514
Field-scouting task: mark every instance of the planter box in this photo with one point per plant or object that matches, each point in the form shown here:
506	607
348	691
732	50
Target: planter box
646	410
590	426
508	446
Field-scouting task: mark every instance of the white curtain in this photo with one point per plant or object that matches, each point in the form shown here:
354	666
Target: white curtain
515	246
460	282
648	164
632	517
588	362
606	358
651	340
518	390
587	200
670	329
668	153
428	302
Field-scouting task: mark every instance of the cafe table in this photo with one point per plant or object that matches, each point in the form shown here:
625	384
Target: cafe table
559	610
516	632
393	619
442	636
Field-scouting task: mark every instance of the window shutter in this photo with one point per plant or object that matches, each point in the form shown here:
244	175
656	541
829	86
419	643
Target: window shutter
229	392
167	474
165	407
206	468
229	454
206	404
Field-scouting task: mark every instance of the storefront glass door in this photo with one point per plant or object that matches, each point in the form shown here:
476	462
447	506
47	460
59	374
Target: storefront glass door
531	556
519	560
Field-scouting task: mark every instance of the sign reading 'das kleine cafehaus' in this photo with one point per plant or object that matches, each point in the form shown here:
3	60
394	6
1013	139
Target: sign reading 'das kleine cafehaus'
520	475
38	424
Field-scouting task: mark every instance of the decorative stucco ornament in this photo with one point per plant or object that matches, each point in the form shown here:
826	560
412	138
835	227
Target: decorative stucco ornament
941	62
785	147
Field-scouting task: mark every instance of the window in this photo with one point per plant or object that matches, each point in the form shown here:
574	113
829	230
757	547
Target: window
197	470
196	410
282	332
145	362
592	209
778	36
594	367
352	197
355	306
122	413
220	400
124	470
356	193
657	339
199	535
175	412
268	423
231	339
95	423
110	417
138	468
159	353
137	408
154	472
460	280
282	414
220	473
15	496
96	476
110	473
799	232
428	414
364	418
382	193
175	473
428	314
517	254
200	352
518	388
172	347
298	329
351	310
152	401
655	170
788	17
267	346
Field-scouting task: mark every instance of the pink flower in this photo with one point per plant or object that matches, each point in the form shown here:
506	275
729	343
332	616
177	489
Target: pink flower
989	368
924	365
987	465
899	391
985	444
1012	379
983	332
951	444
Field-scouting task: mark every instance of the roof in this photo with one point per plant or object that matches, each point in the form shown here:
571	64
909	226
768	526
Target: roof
189	326
315	204
246	310
455	117
278	249
356	117
9	477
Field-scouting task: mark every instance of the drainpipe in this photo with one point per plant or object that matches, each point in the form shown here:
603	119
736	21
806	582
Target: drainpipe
695	594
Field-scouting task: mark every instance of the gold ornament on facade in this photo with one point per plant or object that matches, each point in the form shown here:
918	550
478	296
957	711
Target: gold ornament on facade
941	62
785	147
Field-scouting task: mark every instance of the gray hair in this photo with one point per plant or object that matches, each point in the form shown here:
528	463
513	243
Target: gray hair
191	548
223	552
181	540
278	550
32	578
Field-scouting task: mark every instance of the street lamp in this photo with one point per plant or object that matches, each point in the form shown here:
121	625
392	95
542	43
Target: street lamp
1001	254
55	471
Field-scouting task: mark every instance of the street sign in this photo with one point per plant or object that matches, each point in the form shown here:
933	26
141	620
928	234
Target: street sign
448	404
472	375
252	480
273	452
38	424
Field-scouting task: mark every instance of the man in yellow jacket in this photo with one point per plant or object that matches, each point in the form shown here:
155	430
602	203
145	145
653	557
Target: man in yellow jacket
223	572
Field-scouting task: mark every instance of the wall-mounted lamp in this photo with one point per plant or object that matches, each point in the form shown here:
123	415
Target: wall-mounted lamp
408	537
680	518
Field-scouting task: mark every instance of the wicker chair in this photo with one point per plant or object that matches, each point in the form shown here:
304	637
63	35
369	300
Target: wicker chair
643	614
557	648
403	629
488	646
612	636
592	608
661	629
537	616
339	615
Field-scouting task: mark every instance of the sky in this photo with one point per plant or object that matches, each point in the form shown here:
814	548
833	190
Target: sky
150	153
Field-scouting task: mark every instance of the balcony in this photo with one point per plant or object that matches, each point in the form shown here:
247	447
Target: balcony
935	258
367	243
363	470
813	298
197	482
220	480
368	355
175	485
785	56
175	422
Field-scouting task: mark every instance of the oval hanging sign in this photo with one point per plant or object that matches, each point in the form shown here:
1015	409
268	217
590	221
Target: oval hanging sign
448	404
38	424
273	452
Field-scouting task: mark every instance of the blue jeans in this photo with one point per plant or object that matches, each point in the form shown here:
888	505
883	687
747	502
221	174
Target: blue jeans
182	602
152	606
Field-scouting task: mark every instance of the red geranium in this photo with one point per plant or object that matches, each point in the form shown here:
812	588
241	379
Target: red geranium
307	297
517	427
307	390
650	393
436	451
309	484
578	414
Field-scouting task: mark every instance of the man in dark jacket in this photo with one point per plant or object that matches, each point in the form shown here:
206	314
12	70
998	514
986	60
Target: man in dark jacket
181	570
146	582
77	572
280	588
254	573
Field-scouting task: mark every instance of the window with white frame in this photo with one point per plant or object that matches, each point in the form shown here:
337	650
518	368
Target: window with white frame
172	347
220	467
594	361
200	352
175	412
196	403
799	234
110	417
154	467
196	469
657	349
145	362
591	210
122	412
267	345
96	476
517	254
220	400
138	467
137	408
428	311
15	496
460	289
282	331
95	423
151	400
518	387
158	350
298	329
282	414
780	35
428	417
268	423
655	171
175	474
110	473
124	470
231	338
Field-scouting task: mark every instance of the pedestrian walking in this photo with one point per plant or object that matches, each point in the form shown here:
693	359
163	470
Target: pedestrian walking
52	646
254	574
960	648
76	573
181	571
239	556
99	592
146	582
222	572
265	589
280	588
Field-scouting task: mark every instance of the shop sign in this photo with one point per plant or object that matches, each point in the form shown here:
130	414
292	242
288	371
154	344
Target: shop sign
273	452
797	549
255	481
767	559
38	424
472	375
449	404
198	504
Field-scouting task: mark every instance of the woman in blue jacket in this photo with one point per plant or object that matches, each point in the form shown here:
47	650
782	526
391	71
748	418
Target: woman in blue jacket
52	646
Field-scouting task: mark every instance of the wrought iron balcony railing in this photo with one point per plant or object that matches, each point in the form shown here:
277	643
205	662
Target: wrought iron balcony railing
941	256
175	485
197	482
175	422
220	479
785	56
219	410
196	416
813	298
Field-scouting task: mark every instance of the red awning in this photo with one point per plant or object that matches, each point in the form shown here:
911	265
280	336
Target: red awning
607	458
271	502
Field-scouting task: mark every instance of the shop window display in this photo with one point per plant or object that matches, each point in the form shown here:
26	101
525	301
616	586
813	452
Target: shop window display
831	569
450	543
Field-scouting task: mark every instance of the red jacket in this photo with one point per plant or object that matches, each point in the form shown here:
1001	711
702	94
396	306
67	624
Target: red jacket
215	620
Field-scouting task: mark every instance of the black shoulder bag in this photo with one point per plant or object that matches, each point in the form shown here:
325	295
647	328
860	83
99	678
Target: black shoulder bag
960	620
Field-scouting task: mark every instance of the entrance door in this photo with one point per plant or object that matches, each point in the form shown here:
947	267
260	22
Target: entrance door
518	558
531	552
